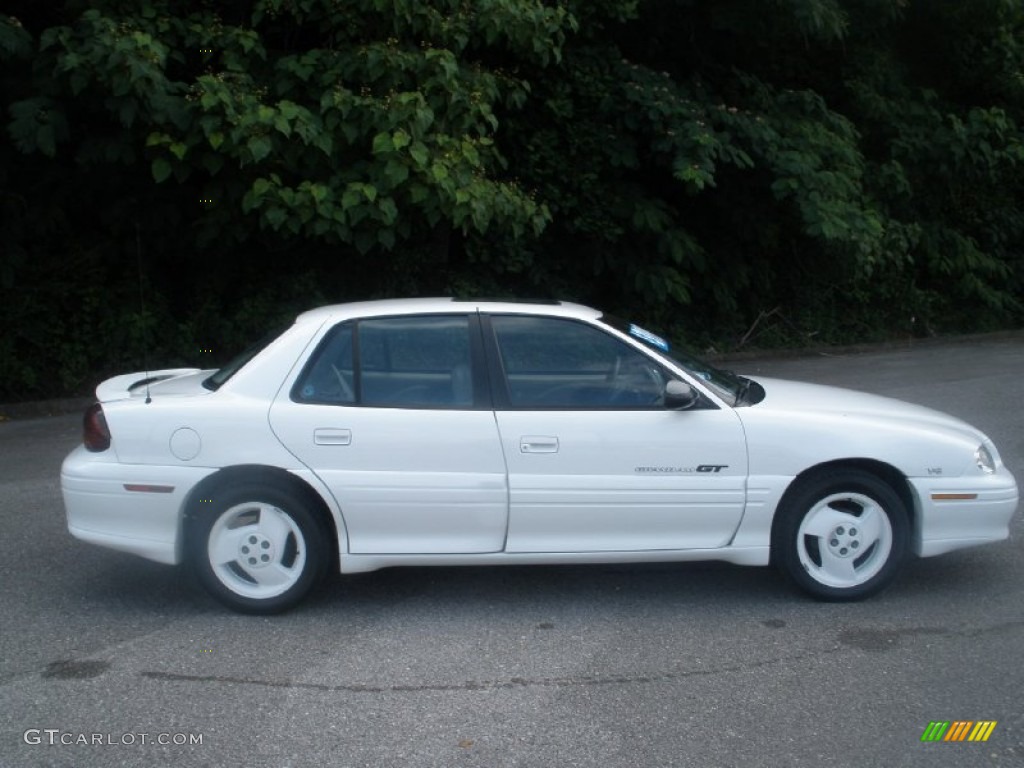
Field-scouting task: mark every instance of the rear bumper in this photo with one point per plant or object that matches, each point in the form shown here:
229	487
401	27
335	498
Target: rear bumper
963	512
135	508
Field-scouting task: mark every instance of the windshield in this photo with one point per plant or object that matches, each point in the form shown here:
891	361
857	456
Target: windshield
725	384
238	362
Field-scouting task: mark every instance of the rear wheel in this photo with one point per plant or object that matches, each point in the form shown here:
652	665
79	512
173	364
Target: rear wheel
841	536
258	549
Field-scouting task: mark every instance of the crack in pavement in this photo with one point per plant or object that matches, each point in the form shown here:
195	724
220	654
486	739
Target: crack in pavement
483	685
865	640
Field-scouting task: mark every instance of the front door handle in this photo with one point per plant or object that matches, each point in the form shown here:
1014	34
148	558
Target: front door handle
538	444
325	436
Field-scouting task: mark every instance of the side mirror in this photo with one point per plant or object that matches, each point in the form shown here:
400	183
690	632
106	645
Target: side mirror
679	395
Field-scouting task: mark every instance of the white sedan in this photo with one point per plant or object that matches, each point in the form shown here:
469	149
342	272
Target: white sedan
447	432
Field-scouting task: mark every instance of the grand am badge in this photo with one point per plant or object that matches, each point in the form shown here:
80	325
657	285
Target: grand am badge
702	468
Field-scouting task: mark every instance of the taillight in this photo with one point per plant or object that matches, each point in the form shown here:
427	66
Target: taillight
95	433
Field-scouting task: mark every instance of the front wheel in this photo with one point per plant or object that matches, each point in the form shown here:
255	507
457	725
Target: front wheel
257	549
841	536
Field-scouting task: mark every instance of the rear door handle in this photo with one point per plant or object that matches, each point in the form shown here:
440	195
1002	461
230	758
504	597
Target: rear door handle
538	444
325	436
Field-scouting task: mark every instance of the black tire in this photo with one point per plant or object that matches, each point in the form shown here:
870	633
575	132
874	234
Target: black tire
273	547
842	535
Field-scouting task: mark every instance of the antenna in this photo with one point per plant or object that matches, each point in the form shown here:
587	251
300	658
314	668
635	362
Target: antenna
142	310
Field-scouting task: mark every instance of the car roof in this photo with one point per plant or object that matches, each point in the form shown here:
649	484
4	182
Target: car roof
386	307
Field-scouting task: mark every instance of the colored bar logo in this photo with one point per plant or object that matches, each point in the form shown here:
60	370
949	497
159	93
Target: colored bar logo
958	730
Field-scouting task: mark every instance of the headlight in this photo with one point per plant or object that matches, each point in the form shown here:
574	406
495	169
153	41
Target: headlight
983	458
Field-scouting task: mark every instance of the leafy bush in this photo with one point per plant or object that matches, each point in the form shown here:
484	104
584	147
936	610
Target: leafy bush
736	173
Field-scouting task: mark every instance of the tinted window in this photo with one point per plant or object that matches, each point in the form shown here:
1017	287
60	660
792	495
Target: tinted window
330	377
237	363
555	363
411	361
726	384
397	361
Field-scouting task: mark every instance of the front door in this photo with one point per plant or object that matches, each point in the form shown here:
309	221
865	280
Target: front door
595	461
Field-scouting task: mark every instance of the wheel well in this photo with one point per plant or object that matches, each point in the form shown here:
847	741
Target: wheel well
884	472
208	487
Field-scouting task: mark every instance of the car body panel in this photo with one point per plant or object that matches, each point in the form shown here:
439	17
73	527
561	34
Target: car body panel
408	480
756	555
796	422
623	480
955	513
223	429
103	509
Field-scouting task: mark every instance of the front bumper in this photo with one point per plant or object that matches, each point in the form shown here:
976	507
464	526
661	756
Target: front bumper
955	513
103	508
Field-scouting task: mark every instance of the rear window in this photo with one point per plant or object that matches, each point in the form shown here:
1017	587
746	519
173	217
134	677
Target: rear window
238	362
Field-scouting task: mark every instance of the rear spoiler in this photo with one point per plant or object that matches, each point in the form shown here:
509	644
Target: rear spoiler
130	385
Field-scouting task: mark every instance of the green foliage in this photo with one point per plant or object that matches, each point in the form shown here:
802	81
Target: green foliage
15	41
327	143
946	167
736	172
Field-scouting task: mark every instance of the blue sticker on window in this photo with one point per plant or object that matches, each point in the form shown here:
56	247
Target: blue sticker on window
650	338
308	391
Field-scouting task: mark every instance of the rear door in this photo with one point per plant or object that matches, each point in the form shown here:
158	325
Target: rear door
595	461
393	415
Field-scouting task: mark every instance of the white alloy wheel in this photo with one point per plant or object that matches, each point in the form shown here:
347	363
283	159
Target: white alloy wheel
257	549
845	540
841	535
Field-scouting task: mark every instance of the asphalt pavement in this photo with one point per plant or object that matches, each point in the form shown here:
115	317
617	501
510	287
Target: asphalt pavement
669	665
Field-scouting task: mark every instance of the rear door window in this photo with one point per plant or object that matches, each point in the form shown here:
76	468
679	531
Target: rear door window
404	362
